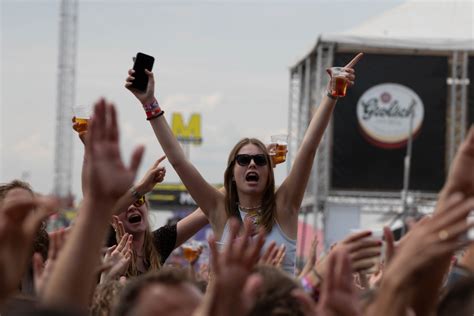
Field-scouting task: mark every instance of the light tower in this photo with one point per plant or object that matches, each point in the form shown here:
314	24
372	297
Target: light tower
65	98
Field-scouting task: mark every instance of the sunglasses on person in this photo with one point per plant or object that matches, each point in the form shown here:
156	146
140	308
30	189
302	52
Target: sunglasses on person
244	160
139	202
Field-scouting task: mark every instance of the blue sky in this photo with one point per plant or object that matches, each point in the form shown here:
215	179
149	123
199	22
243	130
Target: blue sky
227	60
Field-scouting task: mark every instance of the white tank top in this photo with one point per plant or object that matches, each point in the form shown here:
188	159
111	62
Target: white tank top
278	236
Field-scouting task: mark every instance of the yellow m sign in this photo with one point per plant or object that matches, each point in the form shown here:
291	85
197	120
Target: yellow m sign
190	133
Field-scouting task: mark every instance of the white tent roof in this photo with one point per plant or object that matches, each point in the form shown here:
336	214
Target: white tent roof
416	24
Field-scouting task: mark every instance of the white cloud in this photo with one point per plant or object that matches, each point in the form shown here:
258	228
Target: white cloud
193	102
209	102
32	145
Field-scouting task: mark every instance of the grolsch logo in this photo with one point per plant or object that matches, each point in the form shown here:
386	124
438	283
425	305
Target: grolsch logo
384	113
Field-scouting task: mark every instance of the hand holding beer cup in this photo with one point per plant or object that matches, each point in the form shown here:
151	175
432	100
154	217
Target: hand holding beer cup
278	148
342	77
81	118
191	251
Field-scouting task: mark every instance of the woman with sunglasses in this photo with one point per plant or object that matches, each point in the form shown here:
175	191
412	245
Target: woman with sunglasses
248	180
150	249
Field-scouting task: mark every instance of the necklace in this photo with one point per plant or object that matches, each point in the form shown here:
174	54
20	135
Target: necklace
249	208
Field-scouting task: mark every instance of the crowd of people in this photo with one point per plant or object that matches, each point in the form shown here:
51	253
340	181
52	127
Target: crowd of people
110	262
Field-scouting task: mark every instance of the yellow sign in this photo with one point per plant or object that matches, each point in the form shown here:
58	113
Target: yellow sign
190	133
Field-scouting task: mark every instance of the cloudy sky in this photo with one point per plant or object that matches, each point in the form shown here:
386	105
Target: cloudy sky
227	60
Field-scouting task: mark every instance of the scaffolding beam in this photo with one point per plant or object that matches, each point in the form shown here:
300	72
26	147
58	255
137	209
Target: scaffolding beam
65	98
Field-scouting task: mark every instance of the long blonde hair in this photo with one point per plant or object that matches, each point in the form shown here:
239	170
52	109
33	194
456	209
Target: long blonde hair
268	209
151	256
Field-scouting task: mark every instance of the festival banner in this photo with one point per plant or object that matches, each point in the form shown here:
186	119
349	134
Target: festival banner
372	124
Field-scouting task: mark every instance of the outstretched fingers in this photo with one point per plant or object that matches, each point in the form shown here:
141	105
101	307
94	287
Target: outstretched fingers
389	244
157	162
269	253
112	130
356	236
354	60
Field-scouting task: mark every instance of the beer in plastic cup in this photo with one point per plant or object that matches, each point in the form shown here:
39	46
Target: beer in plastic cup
278	152
338	82
190	251
82	116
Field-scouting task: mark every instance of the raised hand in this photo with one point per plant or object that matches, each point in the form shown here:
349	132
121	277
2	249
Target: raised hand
432	238
42	270
118	228
461	173
311	262
154	175
390	247
338	295
427	242
20	218
273	255
362	249
145	97
117	259
107	176
347	71
234	290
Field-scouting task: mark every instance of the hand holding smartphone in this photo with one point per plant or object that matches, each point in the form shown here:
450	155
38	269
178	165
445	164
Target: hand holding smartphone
142	62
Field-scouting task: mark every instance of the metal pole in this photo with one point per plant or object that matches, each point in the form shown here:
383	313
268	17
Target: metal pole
406	173
452	126
464	83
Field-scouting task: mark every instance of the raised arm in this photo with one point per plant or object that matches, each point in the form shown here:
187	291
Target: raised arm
293	188
154	175
460	179
205	195
189	226
107	179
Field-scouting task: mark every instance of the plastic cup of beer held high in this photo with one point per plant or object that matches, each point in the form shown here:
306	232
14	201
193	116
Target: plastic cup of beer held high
338	86
191	250
279	148
81	118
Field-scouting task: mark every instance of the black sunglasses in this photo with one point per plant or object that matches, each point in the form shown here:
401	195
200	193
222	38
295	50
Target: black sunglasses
140	201
244	160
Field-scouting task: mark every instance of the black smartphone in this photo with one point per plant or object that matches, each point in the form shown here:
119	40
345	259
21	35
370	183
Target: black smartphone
142	62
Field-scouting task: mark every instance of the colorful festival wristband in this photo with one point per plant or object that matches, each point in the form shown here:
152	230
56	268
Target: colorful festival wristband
309	288
155	116
152	110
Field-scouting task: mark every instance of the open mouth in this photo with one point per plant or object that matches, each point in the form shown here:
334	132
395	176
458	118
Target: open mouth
252	177
135	218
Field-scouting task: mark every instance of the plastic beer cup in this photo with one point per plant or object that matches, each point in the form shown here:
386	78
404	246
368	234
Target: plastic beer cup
279	148
81	118
338	86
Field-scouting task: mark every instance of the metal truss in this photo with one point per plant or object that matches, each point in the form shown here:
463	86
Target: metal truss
457	114
321	174
308	81
65	98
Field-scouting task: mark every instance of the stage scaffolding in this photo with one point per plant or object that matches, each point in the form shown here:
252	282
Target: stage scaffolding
308	81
